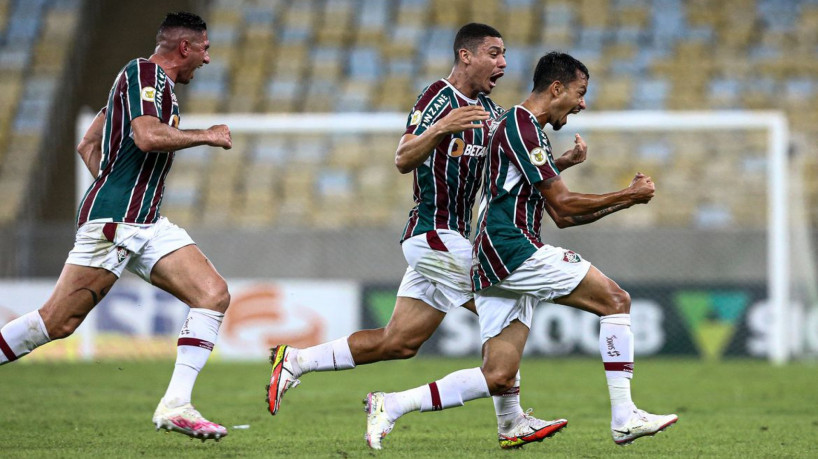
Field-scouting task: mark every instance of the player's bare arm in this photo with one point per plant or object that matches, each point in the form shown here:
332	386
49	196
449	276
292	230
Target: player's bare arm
150	134
413	150
567	204
573	156
90	147
576	220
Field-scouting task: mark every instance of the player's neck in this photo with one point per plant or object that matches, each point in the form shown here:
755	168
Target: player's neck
538	106
461	82
168	66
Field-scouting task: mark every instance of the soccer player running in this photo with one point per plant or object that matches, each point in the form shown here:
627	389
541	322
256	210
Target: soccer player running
514	271
129	149
444	146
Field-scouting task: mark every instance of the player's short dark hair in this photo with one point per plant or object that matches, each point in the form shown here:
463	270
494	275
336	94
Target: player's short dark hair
184	20
471	35
557	66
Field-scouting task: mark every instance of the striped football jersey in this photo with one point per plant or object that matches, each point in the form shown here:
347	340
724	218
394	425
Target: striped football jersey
519	156
446	184
131	182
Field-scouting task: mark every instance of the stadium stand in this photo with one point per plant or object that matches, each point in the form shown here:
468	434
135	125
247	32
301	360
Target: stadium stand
660	55
275	56
35	39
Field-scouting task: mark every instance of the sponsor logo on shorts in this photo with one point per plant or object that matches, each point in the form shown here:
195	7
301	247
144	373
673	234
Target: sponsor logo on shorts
570	256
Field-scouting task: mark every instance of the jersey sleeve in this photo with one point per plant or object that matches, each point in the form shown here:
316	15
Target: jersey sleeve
431	105
142	81
530	149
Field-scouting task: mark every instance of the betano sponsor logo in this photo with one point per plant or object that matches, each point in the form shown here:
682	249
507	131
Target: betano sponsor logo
458	147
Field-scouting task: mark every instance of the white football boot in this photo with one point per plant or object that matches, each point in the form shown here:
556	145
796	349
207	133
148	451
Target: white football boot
186	420
378	424
641	424
282	377
528	429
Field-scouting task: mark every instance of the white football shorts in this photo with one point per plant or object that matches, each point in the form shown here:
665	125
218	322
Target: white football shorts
550	273
439	269
116	246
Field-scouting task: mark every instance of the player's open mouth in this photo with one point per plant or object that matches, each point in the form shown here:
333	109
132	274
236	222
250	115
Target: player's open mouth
493	79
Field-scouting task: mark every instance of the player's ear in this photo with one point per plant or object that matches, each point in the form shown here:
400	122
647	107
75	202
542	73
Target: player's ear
184	47
465	55
556	88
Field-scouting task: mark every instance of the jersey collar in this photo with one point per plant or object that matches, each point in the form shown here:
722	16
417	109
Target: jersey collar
473	101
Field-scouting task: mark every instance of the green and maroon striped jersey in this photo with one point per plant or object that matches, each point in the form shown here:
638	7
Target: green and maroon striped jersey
519	156
446	183
131	182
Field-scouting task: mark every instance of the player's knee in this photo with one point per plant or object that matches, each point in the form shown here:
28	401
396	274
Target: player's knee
620	302
401	350
500	380
217	298
62	330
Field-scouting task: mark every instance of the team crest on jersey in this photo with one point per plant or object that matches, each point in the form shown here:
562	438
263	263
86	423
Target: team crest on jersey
415	119
538	156
148	94
570	256
121	253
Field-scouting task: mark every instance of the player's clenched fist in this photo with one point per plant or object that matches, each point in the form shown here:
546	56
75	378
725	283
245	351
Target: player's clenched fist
463	118
220	136
643	188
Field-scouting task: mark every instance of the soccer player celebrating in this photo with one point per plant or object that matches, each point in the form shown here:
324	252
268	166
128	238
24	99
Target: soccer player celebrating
514	271
129	149
444	146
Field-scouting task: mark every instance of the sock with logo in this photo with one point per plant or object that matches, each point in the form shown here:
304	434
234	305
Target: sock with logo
196	341
616	348
332	356
21	336
507	405
451	391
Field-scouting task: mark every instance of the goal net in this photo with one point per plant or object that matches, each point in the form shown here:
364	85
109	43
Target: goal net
707	263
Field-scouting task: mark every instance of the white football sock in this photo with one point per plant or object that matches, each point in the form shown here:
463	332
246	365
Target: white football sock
21	336
451	391
507	405
332	356
196	341
616	348
621	404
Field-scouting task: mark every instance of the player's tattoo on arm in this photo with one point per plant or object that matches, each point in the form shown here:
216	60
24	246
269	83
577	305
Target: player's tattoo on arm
577	220
95	297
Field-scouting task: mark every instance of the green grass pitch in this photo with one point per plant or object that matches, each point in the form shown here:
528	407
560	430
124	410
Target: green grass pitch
728	409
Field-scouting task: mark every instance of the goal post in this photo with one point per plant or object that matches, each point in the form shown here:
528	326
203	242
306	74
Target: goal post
772	123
